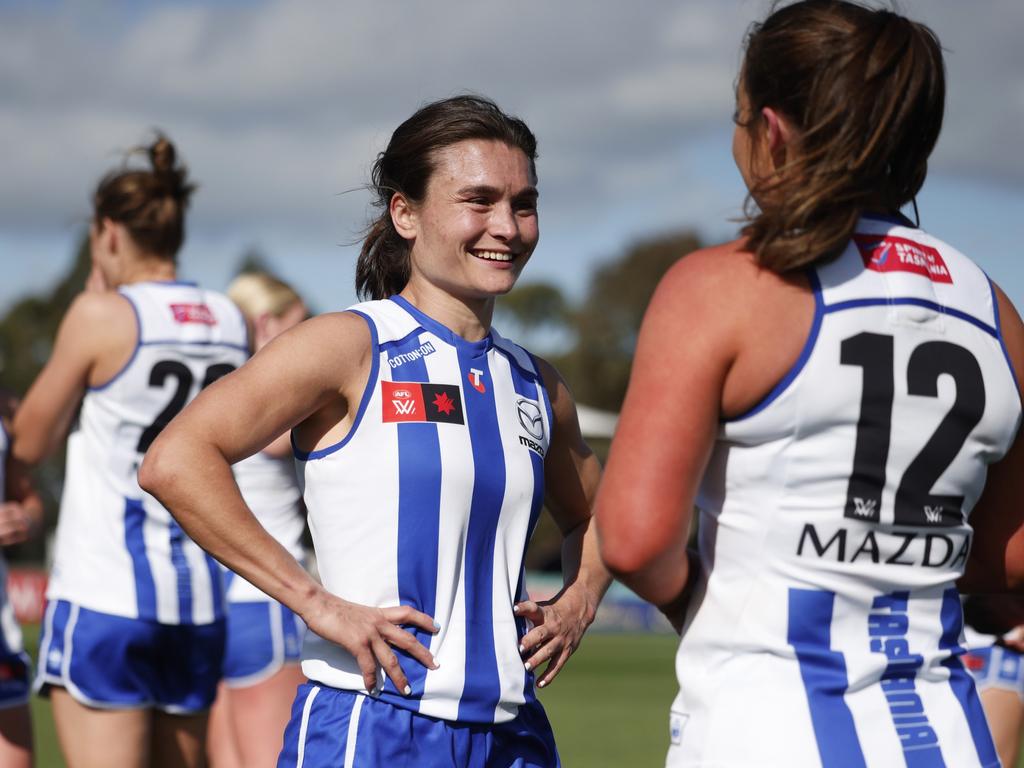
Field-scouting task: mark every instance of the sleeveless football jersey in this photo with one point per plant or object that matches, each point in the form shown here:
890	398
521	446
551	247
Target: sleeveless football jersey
118	551
429	502
271	490
834	523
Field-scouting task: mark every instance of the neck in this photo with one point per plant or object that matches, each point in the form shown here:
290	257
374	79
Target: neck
470	319
148	269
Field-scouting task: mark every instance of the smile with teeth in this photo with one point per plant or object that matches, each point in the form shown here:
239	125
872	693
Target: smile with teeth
494	255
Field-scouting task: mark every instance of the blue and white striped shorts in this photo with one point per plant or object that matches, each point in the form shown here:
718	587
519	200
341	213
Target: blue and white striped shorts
332	728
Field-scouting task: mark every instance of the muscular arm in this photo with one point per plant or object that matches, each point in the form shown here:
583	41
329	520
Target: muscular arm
666	431
996	563
571	476
304	377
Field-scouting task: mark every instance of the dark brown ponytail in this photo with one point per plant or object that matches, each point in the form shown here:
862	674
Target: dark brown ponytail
405	167
865	91
149	203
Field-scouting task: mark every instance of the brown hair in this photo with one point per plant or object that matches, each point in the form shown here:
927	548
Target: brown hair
149	203
405	167
864	90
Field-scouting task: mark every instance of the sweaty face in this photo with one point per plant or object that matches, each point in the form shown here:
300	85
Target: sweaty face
477	225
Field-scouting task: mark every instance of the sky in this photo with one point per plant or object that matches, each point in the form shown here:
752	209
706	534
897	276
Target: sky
279	109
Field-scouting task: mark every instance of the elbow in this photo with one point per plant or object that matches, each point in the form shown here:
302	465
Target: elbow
623	557
157	472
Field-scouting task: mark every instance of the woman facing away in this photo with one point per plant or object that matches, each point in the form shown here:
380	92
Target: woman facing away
831	391
133	637
426	444
21	518
264	638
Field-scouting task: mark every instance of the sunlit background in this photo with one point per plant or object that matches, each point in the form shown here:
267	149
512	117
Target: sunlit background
279	108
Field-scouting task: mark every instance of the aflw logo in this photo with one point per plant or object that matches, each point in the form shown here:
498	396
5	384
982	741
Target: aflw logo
405	407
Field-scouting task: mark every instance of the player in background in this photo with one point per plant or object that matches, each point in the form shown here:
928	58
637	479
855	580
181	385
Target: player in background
21	518
831	391
264	638
994	634
427	443
133	637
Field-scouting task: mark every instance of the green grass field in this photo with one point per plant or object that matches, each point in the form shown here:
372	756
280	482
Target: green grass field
609	707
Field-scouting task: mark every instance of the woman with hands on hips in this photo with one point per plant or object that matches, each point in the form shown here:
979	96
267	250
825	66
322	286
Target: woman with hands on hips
426	444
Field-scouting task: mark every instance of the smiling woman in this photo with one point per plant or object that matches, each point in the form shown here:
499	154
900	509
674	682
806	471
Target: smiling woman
426	443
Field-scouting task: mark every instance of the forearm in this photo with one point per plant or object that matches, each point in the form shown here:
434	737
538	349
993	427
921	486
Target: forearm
193	480
662	579
581	562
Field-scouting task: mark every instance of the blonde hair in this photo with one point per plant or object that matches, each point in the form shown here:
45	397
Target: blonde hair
258	293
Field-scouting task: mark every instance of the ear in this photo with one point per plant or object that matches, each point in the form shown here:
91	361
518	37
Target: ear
779	133
110	234
403	216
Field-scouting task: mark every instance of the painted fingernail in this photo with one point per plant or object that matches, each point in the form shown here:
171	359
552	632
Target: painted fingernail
515	609
521	648
407	690
527	665
437	627
542	683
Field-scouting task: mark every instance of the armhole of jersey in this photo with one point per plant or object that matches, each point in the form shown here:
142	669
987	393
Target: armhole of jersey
545	395
371	383
135	351
999	336
801	361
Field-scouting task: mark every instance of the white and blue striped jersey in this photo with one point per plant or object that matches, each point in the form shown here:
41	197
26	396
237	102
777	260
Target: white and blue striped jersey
430	501
271	490
834	522
118	551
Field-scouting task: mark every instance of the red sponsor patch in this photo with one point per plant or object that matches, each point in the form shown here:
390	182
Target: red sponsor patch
412	401
403	401
193	313
972	662
885	253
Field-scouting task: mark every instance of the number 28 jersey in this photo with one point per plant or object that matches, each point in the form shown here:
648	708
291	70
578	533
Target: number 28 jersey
118	551
835	521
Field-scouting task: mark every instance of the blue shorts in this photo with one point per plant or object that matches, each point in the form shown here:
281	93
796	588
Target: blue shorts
112	662
15	680
331	728
262	637
996	667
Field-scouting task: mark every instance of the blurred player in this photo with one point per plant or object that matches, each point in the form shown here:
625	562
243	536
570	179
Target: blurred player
831	391
261	664
995	658
133	636
427	443
21	517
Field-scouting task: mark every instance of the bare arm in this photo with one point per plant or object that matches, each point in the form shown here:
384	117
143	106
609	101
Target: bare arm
307	376
666	432
996	562
571	476
95	338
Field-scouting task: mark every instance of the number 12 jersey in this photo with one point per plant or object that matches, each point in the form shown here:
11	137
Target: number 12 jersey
118	550
835	521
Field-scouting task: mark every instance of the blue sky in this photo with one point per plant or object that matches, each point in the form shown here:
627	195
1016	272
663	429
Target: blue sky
280	107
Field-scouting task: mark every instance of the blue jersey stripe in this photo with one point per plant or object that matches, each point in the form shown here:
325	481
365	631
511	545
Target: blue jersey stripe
482	688
419	514
182	575
218	586
913	301
824	674
952	618
145	587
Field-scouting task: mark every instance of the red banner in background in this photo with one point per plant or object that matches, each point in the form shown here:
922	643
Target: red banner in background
26	591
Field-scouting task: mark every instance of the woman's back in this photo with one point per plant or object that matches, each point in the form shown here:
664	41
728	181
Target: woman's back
834	524
118	551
